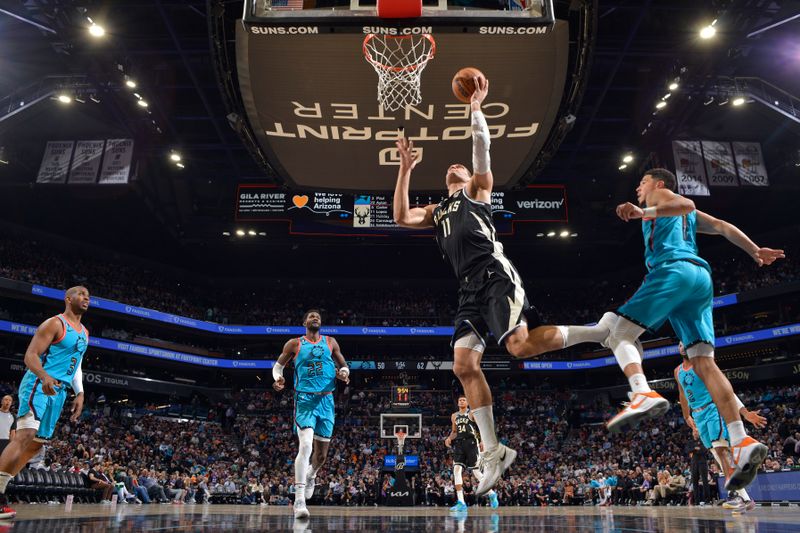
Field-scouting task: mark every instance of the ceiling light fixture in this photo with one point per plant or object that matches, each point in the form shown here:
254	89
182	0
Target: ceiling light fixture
709	31
97	31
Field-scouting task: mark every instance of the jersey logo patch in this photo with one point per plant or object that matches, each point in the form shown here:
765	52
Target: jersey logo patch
317	351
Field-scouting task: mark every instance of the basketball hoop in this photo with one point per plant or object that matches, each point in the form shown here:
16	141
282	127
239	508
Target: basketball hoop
399	62
401	440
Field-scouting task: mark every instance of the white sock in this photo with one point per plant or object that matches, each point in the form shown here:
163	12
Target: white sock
460	494
743	494
639	383
736	432
484	417
579	334
5	477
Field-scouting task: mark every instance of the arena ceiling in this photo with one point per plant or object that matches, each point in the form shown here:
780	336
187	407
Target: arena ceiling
179	215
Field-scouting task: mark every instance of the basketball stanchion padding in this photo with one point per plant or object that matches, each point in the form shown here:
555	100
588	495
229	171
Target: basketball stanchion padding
399	9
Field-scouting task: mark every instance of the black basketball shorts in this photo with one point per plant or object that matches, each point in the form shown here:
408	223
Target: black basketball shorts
465	453
494	301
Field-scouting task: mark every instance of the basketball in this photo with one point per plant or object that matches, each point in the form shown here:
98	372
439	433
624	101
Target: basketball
464	83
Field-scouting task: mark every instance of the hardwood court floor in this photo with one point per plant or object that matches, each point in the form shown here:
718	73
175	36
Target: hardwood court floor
132	518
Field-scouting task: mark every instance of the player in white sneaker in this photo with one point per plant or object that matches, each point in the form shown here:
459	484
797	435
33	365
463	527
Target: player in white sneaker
703	418
678	288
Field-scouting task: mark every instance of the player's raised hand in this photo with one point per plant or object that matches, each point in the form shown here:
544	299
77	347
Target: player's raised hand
408	159
767	256
279	384
628	211
756	419
480	92
49	385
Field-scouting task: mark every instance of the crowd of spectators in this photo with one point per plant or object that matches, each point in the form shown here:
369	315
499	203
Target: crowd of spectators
145	286
245	454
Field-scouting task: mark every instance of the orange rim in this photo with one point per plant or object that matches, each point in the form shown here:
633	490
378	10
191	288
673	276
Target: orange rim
427	57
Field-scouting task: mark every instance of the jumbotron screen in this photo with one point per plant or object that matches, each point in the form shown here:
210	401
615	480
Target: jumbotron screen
371	214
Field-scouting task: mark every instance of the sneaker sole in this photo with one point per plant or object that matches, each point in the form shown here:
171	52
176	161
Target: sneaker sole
637	417
745	475
301	515
7	516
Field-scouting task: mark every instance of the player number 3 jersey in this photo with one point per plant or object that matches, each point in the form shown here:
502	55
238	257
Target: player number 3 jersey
64	356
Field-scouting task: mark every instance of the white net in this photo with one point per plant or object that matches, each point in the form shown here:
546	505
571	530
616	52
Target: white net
399	62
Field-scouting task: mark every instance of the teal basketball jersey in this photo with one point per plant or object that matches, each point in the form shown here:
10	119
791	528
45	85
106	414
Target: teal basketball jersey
314	369
671	239
693	387
64	356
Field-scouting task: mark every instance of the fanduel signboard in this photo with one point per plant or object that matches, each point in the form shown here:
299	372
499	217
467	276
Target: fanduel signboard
310	98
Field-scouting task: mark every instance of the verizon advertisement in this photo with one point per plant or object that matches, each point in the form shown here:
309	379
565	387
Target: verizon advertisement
311	99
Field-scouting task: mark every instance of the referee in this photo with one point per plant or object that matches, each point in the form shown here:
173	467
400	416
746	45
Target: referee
8	422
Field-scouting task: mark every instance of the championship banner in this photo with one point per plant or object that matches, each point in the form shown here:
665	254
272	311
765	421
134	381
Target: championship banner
55	162
720	166
750	163
86	161
117	161
689	168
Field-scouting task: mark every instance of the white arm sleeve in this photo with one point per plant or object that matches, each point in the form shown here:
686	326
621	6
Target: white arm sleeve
77	380
739	403
277	371
481	162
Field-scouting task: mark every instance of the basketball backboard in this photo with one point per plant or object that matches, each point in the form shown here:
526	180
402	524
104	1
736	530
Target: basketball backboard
310	96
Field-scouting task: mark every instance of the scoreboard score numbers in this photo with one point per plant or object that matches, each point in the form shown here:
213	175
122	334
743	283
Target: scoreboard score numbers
401	396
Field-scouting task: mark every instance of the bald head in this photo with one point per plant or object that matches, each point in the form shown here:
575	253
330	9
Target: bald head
5	403
72	291
77	299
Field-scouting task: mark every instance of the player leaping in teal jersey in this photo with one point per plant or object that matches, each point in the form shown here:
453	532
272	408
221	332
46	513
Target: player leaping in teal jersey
703	418
318	363
53	358
678	288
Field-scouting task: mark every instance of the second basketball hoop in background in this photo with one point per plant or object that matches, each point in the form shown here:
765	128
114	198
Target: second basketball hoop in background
464	83
399	62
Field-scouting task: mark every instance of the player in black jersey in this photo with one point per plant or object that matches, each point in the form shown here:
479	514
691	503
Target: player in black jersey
464	441
491	296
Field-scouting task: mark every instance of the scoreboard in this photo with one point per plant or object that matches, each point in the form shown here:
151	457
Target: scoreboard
401	396
330	213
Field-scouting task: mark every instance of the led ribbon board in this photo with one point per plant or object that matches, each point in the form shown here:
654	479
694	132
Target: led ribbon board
311	98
